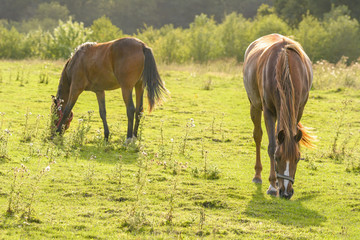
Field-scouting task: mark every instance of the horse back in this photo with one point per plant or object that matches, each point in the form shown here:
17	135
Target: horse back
253	66
260	66
107	66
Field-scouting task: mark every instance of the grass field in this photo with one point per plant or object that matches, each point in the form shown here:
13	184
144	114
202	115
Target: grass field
190	174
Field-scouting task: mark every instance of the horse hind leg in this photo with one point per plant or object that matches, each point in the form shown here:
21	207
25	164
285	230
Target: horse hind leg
257	134
139	92
102	109
130	110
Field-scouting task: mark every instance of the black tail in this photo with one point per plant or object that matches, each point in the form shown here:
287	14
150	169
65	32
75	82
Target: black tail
151	79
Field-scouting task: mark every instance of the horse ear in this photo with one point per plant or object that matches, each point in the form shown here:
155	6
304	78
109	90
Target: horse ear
298	136
281	136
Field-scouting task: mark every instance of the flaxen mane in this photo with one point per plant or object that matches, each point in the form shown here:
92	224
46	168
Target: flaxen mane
285	89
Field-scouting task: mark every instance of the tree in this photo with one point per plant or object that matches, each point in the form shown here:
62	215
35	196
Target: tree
52	10
291	10
343	35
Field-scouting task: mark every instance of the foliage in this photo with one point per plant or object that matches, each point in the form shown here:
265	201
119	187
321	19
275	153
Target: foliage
172	47
65	38
235	36
268	24
343	38
12	44
203	43
312	36
330	38
103	30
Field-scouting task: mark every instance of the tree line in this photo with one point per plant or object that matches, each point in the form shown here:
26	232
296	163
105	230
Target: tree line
130	15
334	35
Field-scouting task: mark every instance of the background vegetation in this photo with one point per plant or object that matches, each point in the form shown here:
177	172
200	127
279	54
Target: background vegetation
198	31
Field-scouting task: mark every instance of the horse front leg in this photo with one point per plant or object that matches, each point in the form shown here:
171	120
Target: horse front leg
270	128
102	109
130	110
257	134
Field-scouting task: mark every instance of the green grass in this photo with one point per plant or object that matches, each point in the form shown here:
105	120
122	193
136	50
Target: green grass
151	190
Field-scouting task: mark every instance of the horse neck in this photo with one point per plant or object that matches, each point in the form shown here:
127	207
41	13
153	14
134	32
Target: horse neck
64	87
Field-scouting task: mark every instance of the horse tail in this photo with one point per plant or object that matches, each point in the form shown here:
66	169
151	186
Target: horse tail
151	79
306	140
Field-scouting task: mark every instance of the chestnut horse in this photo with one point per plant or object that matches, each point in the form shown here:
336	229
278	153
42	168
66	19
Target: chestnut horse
277	78
124	63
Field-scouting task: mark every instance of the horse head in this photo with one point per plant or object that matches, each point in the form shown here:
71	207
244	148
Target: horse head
57	113
287	156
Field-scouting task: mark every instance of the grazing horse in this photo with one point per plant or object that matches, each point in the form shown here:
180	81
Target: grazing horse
124	63
277	78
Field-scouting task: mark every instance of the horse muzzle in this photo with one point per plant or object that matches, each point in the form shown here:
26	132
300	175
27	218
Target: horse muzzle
286	194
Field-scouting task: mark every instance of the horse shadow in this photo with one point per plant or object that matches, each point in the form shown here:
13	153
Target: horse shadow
285	212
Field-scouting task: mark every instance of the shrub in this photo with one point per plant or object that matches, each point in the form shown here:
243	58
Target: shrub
234	32
65	38
12	44
103	30
204	45
171	46
343	39
264	25
312	35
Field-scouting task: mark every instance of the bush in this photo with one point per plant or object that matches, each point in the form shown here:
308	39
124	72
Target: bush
171	46
343	39
235	38
203	43
312	35
148	34
264	25
13	44
103	30
65	38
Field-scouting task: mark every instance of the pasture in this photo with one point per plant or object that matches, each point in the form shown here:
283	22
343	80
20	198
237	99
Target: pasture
189	175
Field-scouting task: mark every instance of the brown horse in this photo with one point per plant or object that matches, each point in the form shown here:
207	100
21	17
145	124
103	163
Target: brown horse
124	63
277	78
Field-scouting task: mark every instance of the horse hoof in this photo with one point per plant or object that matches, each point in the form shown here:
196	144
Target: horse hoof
257	180
130	141
272	191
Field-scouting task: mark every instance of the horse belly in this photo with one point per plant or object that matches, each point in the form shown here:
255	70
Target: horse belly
252	88
103	81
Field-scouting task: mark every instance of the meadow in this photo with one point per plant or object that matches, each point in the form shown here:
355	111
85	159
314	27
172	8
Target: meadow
189	175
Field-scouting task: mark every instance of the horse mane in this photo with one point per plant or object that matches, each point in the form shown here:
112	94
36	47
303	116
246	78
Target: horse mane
306	140
79	50
82	48
285	88
64	79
